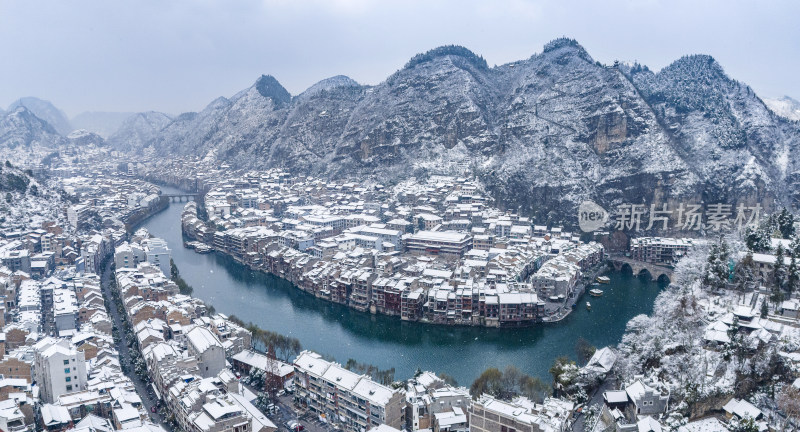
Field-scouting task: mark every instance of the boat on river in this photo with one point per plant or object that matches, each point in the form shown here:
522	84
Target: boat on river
595	292
588	306
603	279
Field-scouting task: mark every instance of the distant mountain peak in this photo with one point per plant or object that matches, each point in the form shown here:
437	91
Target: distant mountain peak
785	107
269	87
99	122
567	44
46	111
222	100
25	116
329	84
447	50
697	65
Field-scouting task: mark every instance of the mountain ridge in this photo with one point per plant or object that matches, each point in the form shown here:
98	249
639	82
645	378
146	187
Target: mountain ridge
543	133
46	111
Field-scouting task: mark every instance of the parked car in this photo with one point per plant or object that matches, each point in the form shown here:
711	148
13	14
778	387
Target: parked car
294	426
281	392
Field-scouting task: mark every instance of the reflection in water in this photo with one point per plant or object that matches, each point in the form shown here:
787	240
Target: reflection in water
462	352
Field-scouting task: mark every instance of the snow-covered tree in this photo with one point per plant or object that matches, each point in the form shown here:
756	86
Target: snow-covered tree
789	402
745	272
794	246
717	271
792	275
779	275
785	224
758	239
746	424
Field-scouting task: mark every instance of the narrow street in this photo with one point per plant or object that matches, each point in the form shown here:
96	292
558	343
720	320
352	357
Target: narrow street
142	388
596	399
286	412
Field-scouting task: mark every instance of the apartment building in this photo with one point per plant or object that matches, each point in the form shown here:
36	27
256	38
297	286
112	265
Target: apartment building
659	250
59	368
206	347
353	401
439	243
493	415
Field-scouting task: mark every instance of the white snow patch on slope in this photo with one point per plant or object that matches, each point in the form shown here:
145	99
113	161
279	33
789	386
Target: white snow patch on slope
785	107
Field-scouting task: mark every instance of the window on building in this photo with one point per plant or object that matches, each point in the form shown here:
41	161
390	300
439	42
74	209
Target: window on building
66	362
66	370
69	388
69	379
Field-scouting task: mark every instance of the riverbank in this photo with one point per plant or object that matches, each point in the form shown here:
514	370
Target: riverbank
140	216
384	341
519	306
570	303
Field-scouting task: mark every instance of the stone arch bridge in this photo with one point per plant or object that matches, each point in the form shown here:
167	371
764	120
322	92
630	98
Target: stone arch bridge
656	271
181	197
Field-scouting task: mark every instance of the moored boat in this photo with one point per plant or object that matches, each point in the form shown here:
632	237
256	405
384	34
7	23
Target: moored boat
595	292
603	279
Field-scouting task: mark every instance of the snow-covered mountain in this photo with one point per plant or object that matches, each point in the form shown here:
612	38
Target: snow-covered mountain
138	130
543	133
83	137
101	123
785	107
328	84
27	202
22	131
45	111
190	130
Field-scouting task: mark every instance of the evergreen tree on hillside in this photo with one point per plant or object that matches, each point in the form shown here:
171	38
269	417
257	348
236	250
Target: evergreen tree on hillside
779	269
717	271
794	246
745	273
792	275
757	239
785	224
779	276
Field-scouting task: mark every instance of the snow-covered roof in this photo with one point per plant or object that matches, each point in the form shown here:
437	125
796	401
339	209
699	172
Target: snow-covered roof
602	360
615	396
202	339
375	393
709	424
741	408
53	415
648	424
637	390
383	428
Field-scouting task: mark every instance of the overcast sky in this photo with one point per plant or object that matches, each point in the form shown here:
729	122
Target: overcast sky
177	56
